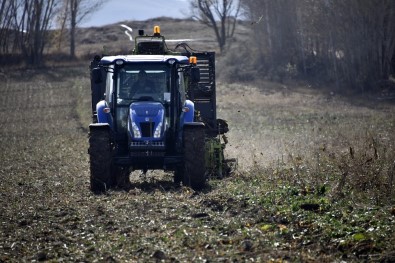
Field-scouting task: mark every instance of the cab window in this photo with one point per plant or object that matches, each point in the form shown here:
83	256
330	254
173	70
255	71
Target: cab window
109	86
143	82
181	87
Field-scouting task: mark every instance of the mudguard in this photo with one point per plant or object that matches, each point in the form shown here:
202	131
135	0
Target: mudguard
102	116
99	126
188	115
191	125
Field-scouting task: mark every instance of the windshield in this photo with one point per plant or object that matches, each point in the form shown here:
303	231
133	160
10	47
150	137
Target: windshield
143	82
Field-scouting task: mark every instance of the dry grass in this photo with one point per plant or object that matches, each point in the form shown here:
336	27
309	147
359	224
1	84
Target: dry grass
312	135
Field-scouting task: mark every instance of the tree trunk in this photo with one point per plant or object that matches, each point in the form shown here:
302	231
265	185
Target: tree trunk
73	24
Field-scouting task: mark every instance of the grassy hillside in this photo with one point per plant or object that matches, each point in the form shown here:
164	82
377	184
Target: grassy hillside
112	40
315	180
92	40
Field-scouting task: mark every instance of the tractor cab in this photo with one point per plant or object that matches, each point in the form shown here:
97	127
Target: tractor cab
145	105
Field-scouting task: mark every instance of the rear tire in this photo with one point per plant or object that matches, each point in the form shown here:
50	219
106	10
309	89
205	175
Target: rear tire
100	154
194	157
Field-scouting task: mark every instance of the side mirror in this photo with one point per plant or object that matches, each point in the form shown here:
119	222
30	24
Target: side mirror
195	74
96	75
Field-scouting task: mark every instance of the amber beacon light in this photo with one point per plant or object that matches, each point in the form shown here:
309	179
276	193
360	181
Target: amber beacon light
193	60
156	31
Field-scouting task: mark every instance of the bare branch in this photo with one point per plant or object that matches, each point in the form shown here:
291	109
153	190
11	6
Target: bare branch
217	14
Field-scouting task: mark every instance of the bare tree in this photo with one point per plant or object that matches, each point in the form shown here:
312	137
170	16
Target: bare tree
24	27
220	15
24	24
5	25
275	31
78	11
31	21
73	12
349	42
61	20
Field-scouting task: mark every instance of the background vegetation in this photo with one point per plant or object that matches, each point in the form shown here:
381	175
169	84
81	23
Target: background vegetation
348	44
27	27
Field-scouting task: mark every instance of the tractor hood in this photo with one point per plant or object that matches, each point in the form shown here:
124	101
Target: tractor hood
146	121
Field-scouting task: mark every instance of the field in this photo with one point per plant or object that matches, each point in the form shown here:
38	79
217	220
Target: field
315	181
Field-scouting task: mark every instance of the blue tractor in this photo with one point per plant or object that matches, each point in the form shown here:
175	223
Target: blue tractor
155	110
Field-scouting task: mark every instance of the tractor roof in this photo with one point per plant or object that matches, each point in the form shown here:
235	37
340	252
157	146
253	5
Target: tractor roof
107	60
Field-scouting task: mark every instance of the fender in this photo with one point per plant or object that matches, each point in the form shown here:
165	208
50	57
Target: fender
99	126
194	125
188	115
103	117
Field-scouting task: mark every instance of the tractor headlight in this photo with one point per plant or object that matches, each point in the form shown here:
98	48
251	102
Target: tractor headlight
119	62
158	130
136	130
171	61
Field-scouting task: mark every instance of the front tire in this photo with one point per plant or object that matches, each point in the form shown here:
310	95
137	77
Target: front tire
194	157
100	155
